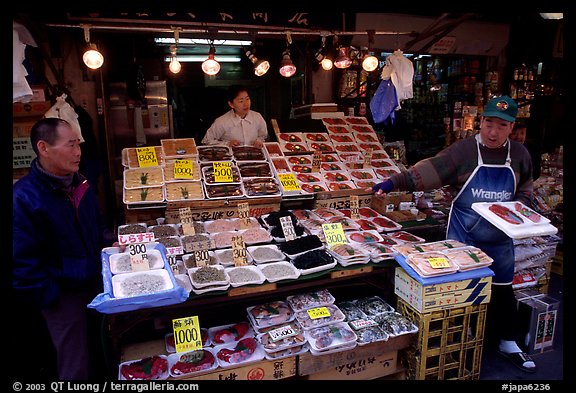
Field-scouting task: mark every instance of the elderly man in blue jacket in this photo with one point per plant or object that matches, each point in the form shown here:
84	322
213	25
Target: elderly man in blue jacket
57	241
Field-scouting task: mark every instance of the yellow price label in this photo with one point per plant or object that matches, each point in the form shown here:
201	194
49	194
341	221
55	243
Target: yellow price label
318	312
222	172
187	336
183	169
334	234
146	156
289	182
438	262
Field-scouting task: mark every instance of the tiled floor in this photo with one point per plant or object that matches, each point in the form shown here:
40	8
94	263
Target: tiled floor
550	363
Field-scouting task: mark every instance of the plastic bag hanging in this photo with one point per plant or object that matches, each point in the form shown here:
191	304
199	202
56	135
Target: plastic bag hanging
384	102
63	110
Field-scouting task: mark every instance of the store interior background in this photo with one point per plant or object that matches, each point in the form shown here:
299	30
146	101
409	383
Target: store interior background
189	101
491	42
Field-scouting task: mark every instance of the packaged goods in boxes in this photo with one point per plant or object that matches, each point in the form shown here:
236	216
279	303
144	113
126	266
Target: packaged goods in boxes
119	294
427	294
449	344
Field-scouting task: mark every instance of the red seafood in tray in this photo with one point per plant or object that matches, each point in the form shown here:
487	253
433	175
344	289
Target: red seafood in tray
367	174
295	147
336	176
240	353
367	225
356	120
324	147
149	368
290	137
373	146
335	186
229	333
342	138
367	137
380	155
337	129
506	214
302	160
528	213
385	173
311	188
193	362
365	184
302	168
346	147
386	223
368	236
329	158
317	137
307	178
363	128
368	212
331	166
334	120
407	237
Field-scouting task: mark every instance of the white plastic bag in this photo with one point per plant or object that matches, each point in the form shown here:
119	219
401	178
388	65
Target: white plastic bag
62	110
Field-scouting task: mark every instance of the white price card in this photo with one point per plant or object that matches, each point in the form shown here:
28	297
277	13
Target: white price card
244	215
138	257
354	207
187	221
316	160
282	332
187	334
239	251
288	228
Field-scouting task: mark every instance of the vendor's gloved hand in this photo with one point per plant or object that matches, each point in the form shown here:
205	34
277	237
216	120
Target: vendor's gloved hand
383	188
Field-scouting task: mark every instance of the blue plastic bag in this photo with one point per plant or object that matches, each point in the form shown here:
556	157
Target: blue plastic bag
384	102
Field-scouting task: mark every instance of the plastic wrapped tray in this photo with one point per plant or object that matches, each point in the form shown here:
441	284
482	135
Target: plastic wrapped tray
232	332
192	272
278	271
120	263
245	275
239	354
140	369
187	364
270	314
141	283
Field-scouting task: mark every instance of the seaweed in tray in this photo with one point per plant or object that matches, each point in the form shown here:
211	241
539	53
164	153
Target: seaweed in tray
313	259
300	244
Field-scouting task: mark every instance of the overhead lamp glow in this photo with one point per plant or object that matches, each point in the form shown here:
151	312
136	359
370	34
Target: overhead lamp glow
370	63
92	57
552	15
202	58
343	60
287	67
326	64
175	66
260	66
210	66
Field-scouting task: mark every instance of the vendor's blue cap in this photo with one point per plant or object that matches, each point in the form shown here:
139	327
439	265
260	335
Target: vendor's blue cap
502	107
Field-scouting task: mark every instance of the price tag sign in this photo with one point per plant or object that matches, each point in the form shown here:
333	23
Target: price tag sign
244	215
187	335
134	238
287	228
183	169
390	207
146	156
222	171
173	262
282	332
138	257
354	206
289	182
316	160
187	221
438	263
239	251
334	234
318	312
358	324
367	158
202	257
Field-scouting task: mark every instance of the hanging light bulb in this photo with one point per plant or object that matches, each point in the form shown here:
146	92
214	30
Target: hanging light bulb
92	57
175	65
370	62
210	66
260	66
343	60
287	67
326	64
324	61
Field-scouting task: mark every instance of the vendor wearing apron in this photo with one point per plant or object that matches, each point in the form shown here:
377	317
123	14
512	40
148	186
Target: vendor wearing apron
486	167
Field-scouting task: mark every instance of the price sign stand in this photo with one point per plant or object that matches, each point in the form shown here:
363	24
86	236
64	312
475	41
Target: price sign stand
239	251
183	169
367	158
187	221
287	228
222	171
244	215
146	156
334	234
354	206
289	182
187	336
316	161
138	257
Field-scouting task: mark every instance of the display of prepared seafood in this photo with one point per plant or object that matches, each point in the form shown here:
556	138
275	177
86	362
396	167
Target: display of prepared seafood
407	237
230	333
334	121
325	147
255	235
313	259
273	218
304	301
241	352
301	168
141	283
280	165
143	195
357	120
265	186
378	251
224	239
293	147
373	305
121	263
370	334
333	315
254	169
278	338
395	323
193	362
226	257
442	245
300	245
270	314
366	236
266	253
163	230
368	212
208	275
350	310
273	149
129	229
214	153
313	187
317	137
342	138
506	214
366	137
184	190
188	241
248	153
143	177
527	212
330	336
347	251
189	260
179	147
209	178
149	368
245	275
169	175
468	257
346	147
408	248
290	137
221	225
224	191
386	223
431	263
277	271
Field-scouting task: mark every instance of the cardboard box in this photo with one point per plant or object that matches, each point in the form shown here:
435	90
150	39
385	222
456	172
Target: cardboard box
538	316
20	109
389	202
426	298
365	368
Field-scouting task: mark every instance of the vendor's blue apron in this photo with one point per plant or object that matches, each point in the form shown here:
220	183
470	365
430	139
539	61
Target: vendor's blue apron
488	183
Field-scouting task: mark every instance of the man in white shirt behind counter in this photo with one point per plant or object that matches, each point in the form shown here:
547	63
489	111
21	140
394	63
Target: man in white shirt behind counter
240	125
